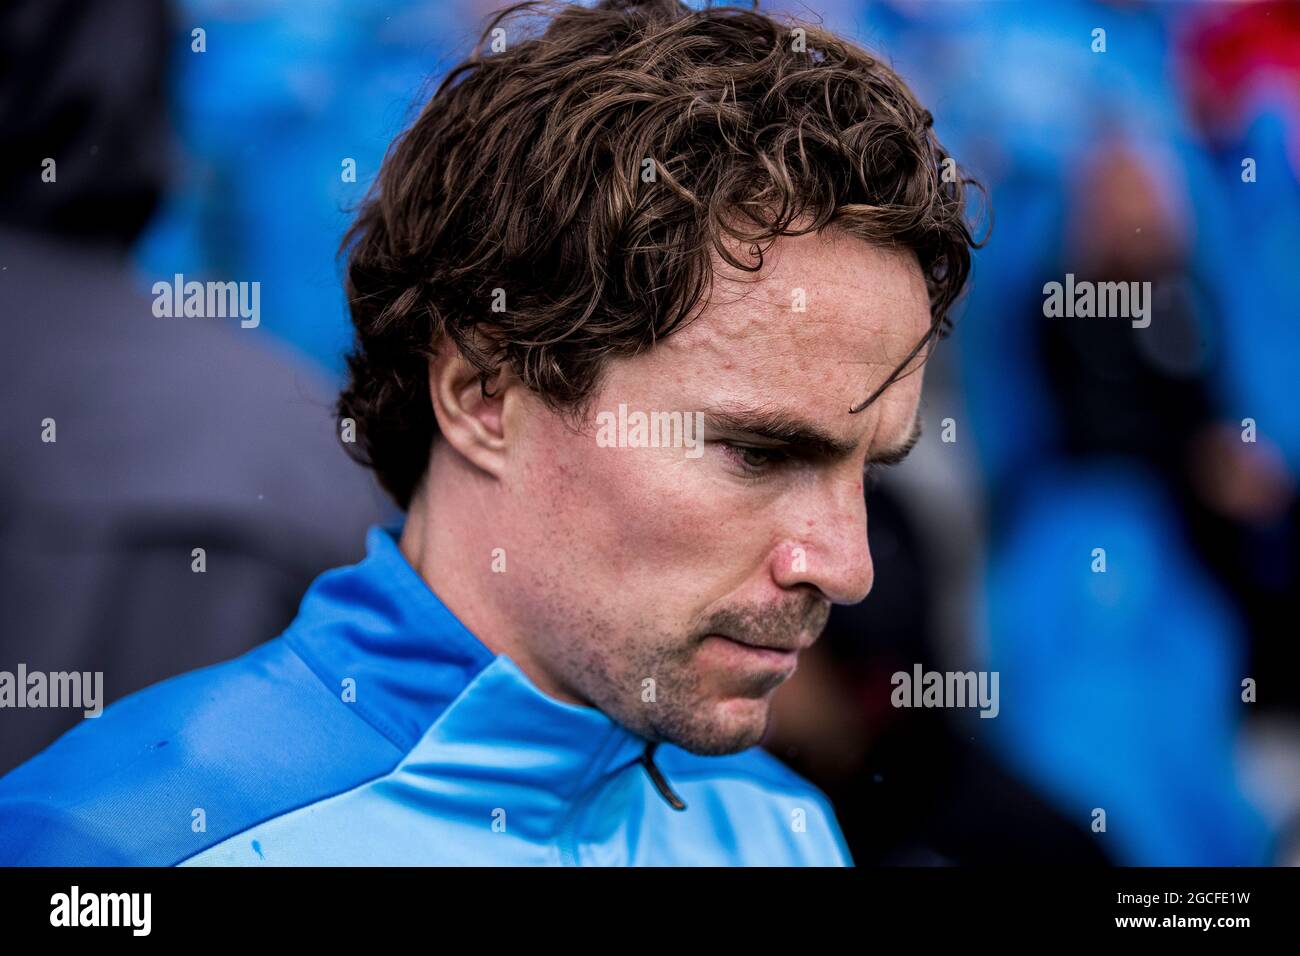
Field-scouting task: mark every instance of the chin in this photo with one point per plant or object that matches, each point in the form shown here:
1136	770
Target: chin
738	723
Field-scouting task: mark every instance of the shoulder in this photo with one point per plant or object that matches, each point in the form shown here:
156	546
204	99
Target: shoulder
773	815
167	772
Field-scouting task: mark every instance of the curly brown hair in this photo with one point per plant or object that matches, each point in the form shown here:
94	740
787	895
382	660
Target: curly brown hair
586	174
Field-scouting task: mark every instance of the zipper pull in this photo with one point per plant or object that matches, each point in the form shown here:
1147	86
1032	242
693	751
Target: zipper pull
647	760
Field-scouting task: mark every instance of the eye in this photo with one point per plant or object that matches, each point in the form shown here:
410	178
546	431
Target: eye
754	460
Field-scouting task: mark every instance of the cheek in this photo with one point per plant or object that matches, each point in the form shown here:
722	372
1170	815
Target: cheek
635	515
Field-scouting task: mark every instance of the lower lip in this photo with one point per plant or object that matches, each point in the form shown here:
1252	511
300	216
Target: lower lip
747	656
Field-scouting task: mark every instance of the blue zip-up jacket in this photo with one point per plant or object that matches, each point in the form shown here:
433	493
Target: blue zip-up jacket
377	730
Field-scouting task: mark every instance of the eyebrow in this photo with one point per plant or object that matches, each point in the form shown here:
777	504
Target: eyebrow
807	439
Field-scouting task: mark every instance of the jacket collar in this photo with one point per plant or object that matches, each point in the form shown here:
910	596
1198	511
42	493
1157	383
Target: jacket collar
376	632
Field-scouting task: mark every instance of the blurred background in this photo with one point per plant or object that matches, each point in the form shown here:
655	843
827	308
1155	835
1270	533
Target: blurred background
1165	149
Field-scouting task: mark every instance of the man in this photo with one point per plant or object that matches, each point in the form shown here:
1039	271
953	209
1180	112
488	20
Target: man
707	226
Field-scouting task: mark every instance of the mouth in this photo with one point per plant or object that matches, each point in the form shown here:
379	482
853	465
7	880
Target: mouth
747	654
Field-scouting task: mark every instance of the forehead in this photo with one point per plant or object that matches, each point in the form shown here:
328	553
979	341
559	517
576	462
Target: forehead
824	323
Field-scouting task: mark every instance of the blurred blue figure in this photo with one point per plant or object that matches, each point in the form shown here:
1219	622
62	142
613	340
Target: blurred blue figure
192	482
1028	101
282	96
1121	688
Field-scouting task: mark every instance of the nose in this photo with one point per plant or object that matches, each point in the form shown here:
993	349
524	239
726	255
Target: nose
826	546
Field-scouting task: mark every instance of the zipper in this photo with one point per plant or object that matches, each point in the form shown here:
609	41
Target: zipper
567	843
657	777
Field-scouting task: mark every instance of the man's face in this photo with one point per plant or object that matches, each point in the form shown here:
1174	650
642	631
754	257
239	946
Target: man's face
673	589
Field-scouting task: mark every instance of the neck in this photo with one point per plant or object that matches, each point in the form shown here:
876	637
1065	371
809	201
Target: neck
452	527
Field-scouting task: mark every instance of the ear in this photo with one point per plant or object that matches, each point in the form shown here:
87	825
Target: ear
473	425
